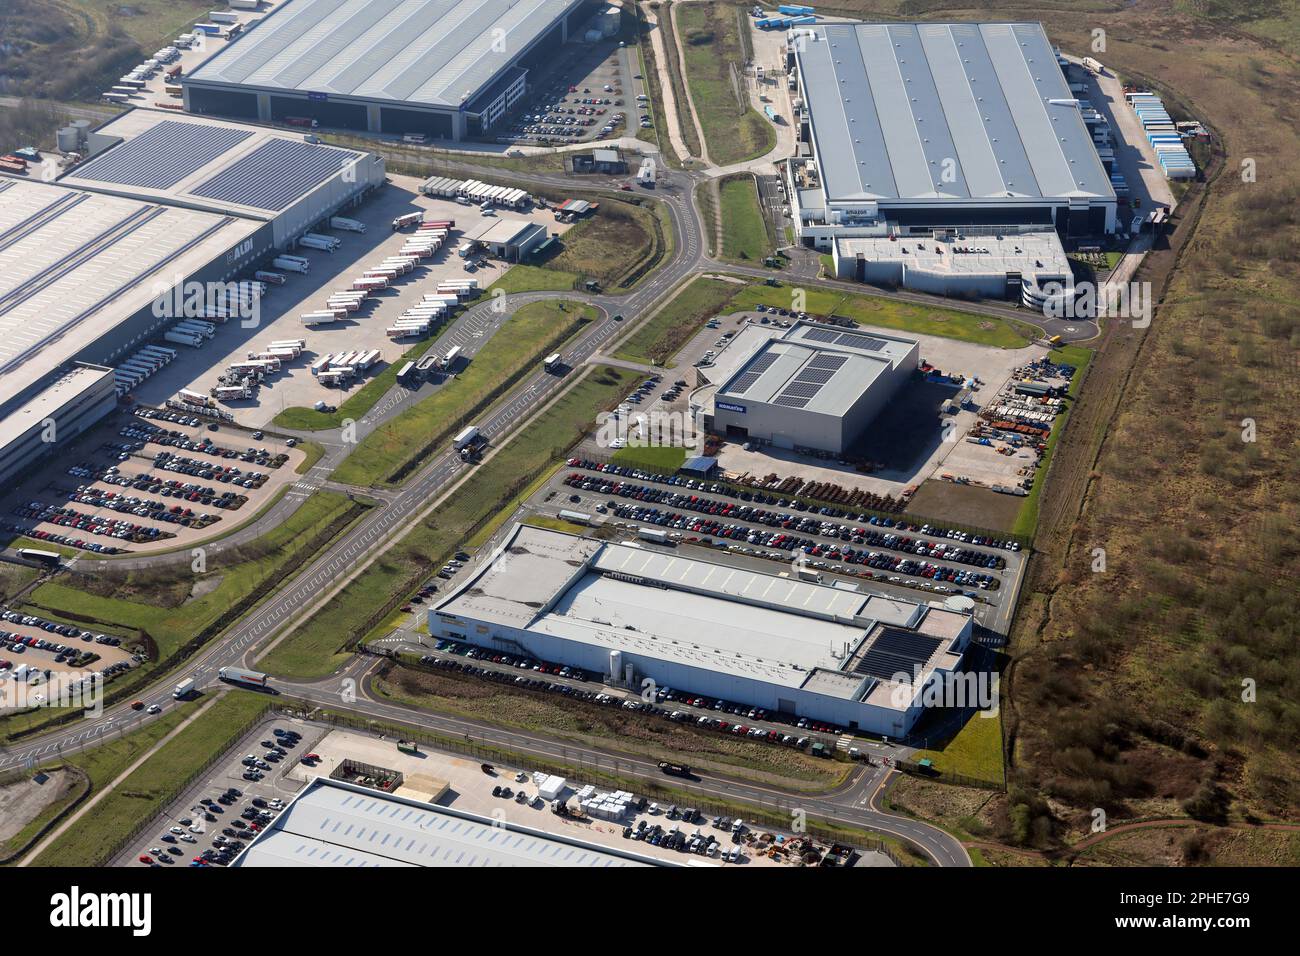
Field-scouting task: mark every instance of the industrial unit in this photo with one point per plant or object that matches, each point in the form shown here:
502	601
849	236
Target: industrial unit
510	240
335	823
811	386
71	404
940	129
87	263
442	68
231	168
794	646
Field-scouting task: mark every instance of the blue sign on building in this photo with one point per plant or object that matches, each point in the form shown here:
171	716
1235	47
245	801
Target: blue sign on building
728	407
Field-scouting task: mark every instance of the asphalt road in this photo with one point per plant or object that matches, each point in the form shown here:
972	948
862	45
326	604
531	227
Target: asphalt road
365	540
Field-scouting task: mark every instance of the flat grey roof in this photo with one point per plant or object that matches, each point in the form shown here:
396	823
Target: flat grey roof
46	404
670	606
74	265
815	368
430	52
944	112
340	824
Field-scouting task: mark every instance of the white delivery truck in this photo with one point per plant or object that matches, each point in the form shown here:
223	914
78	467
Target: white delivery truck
184	689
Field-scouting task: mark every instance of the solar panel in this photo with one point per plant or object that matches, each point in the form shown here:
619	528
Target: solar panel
763	362
895	651
744	382
790	401
864	342
275	174
162	156
826	360
819	375
821	335
799	389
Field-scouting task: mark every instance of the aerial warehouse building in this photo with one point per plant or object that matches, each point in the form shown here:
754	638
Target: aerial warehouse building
840	655
940	130
449	69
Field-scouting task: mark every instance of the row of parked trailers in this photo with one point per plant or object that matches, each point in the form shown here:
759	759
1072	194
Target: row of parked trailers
475	191
341	368
140	366
1162	133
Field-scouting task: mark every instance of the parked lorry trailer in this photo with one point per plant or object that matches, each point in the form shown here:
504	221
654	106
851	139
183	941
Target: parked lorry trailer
182	338
346	224
288	264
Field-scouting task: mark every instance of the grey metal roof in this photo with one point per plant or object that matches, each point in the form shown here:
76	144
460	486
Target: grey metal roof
339	824
944	112
816	368
435	52
164	155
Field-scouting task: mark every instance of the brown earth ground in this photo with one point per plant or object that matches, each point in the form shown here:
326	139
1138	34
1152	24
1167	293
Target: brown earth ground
1170	681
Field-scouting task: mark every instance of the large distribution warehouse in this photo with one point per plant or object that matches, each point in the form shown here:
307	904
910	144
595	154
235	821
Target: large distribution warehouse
163	200
957	129
442	68
810	386
838	655
334	824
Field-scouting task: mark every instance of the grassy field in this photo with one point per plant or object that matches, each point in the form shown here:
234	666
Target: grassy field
314	649
90	841
658	458
888	313
359	402
13	578
662	337
611	246
91	42
712	45
689	137
745	235
976	751
525	338
526	278
587	723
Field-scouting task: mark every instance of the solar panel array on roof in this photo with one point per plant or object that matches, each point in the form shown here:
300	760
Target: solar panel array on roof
896	651
746	380
865	342
162	156
799	389
828	361
275	174
821	335
791	401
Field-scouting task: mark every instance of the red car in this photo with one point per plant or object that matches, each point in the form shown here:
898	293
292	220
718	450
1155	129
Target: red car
137	705
144	858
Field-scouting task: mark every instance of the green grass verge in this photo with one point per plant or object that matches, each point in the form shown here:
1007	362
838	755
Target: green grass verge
526	278
662	459
15	577
522	341
888	313
712	47
744	228
154	600
615	246
662	337
316	647
975	751
97	834
555	524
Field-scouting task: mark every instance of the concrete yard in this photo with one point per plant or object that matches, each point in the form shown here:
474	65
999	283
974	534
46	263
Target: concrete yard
470	789
294	385
909	431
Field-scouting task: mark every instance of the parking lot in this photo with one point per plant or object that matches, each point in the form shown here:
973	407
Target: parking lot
34	649
588	93
147	481
363	330
217	817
